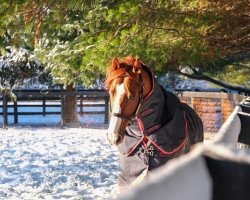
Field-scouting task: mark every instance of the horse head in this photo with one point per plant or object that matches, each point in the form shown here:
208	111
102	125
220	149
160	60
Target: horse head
125	85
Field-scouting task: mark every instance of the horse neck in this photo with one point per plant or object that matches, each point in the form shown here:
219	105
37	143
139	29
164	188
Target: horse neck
147	83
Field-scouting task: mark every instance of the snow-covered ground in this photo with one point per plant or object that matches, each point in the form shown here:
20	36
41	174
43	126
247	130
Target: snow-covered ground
55	163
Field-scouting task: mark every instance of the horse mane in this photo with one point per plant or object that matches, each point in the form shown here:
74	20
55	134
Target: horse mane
113	72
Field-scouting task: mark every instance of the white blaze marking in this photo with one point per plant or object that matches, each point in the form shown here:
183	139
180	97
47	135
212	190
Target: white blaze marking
115	122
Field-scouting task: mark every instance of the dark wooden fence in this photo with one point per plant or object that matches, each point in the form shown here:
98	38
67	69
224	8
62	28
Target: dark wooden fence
52	99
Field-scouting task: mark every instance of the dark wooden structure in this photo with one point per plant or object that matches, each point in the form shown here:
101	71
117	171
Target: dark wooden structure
52	99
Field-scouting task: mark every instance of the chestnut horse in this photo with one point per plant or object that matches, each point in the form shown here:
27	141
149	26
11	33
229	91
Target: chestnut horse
148	124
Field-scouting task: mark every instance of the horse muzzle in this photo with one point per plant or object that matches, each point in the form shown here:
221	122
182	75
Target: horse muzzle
114	139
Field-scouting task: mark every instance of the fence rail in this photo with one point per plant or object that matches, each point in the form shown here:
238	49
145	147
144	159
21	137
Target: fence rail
212	107
52	99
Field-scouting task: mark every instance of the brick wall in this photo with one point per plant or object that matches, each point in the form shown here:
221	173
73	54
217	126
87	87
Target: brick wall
213	108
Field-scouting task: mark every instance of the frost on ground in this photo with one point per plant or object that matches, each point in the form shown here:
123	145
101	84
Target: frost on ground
54	163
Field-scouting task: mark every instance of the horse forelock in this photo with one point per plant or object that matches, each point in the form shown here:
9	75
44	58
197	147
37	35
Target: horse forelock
114	74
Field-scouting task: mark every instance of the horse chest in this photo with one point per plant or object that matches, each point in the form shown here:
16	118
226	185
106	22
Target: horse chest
150	140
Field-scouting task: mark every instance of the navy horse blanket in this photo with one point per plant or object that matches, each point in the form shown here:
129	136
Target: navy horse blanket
164	128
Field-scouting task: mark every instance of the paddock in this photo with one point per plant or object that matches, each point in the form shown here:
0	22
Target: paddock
192	170
57	163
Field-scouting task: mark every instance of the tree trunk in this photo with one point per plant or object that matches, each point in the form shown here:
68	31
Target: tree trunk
69	116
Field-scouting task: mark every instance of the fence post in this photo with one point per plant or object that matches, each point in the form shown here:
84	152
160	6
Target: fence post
192	102
81	110
44	106
106	121
5	111
15	113
62	106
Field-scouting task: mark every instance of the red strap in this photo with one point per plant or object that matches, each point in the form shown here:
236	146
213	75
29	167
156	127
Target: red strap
151	129
145	113
141	126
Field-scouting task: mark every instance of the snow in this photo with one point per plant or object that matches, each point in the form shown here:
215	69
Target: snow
55	163
16	54
173	82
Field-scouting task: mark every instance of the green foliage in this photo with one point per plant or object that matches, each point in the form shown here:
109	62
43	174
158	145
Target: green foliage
79	38
156	32
8	92
236	74
16	66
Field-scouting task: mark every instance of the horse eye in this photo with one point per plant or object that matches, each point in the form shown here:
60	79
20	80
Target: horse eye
131	95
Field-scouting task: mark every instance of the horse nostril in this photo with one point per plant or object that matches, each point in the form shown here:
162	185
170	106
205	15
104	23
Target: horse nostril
114	138
119	139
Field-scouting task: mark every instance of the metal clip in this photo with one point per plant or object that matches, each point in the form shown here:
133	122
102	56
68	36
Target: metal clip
150	151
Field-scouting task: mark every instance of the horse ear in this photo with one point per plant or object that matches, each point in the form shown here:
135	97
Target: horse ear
137	66
115	63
